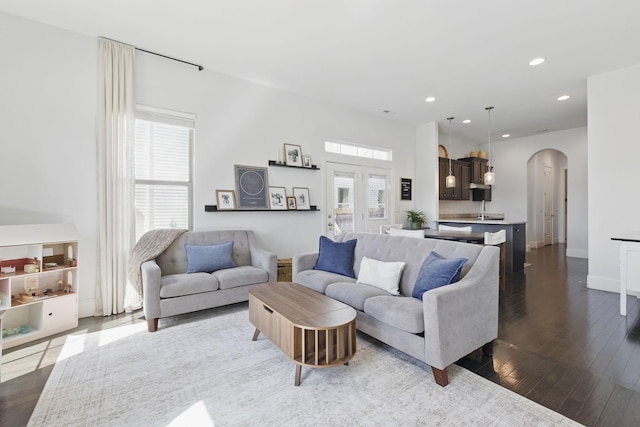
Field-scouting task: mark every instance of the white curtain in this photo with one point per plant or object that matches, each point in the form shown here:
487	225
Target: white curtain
116	181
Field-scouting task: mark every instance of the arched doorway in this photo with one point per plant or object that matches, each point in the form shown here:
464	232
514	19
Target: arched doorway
546	198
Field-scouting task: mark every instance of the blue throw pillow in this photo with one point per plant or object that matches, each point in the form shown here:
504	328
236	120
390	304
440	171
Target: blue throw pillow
437	271
336	257
208	259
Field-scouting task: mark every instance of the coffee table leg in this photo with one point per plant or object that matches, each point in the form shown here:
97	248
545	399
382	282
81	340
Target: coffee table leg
255	335
298	370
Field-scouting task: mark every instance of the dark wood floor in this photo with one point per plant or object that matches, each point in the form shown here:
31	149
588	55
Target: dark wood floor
565	346
560	344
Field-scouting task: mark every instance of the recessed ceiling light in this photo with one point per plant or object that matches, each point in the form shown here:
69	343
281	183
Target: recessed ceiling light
536	61
430	99
466	121
563	97
506	135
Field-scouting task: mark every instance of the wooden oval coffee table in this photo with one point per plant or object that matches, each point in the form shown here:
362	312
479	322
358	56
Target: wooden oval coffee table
312	329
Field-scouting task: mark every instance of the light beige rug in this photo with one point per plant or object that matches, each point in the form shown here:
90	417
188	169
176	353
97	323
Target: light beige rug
203	369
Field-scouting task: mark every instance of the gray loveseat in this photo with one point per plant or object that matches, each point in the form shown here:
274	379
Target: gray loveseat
449	323
168	290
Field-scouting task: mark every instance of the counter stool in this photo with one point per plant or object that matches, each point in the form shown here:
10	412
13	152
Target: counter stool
498	239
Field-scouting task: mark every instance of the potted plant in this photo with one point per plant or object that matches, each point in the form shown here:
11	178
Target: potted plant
416	218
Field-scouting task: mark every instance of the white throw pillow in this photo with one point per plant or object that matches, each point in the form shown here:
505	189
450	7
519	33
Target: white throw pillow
383	275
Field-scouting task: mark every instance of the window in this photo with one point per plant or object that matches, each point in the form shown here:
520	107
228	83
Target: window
163	169
349	149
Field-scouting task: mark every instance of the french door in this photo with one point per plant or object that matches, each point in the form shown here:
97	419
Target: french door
358	198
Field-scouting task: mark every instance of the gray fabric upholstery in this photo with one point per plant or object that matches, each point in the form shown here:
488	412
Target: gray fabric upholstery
318	280
412	251
450	321
240	276
168	290
400	312
175	285
353	294
174	259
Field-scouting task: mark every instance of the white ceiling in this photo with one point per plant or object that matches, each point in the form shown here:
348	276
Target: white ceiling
375	55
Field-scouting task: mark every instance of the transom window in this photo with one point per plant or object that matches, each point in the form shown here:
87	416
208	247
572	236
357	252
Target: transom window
349	149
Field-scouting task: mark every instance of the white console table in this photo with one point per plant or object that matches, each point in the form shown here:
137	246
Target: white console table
629	267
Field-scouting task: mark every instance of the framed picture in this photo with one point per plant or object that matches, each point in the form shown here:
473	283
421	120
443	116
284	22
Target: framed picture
278	198
226	199
252	187
291	203
405	188
293	155
302	198
306	161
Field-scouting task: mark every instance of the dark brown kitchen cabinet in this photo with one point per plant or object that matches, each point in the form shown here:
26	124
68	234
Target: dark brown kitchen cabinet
478	167
461	172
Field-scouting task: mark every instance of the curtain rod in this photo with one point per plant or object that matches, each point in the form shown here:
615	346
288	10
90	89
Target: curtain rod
200	67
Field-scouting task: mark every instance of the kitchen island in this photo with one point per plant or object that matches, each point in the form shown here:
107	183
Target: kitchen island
515	245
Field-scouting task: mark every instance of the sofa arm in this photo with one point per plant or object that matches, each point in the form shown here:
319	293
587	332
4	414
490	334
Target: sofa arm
263	259
151	276
302	262
462	317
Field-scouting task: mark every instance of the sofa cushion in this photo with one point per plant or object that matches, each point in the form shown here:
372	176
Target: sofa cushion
383	275
437	271
336	257
209	258
177	285
353	294
318	280
240	276
404	313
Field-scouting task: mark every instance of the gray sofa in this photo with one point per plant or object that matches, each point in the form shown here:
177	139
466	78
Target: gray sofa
168	290
449	323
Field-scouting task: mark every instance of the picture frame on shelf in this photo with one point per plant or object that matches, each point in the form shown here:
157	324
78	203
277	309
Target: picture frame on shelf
306	161
302	198
293	155
252	187
291	203
277	198
226	200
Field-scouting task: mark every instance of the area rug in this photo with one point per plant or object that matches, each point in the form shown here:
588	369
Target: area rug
203	369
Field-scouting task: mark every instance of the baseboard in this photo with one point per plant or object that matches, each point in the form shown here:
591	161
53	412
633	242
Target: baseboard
536	244
577	253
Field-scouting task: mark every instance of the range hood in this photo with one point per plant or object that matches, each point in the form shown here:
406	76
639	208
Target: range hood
474	186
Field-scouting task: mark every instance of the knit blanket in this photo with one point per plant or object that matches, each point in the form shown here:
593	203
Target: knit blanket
150	245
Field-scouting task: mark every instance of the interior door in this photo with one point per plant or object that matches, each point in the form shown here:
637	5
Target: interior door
548	198
358	198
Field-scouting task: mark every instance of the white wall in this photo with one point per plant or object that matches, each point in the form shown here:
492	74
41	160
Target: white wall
509	194
426	164
239	122
47	137
614	147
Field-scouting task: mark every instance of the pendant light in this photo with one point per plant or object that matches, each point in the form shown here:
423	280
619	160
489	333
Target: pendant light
450	180
489	176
